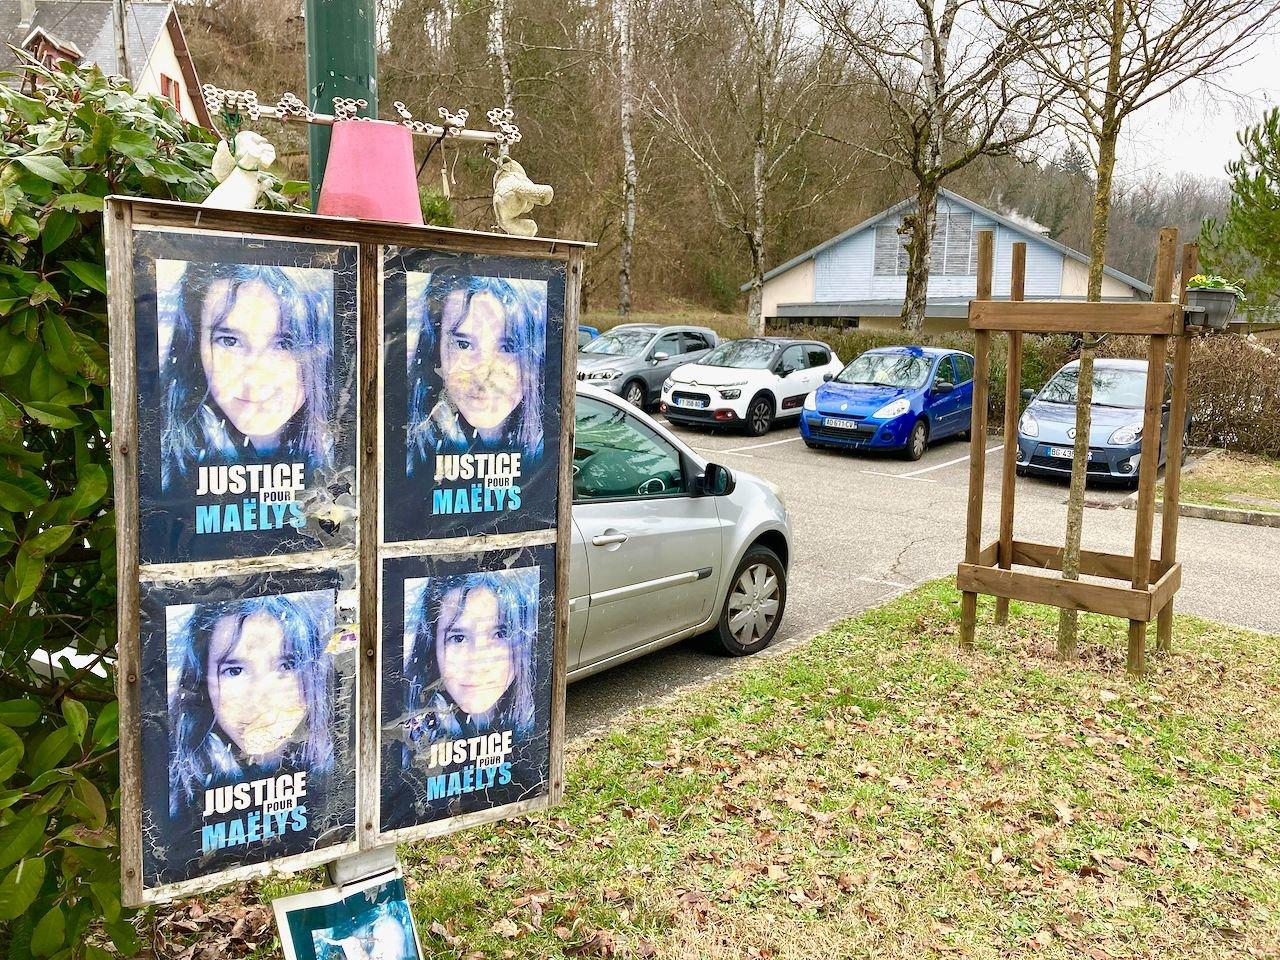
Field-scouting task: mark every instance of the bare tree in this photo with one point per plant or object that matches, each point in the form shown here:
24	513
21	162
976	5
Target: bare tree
1112	58
498	49
958	86
630	174
770	85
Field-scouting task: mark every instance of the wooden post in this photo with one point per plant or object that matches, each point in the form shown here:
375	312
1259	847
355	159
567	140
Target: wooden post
1012	397
1173	463
1149	465
977	440
369	374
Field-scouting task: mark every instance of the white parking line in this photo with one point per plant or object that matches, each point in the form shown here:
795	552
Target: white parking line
949	463
757	446
897	476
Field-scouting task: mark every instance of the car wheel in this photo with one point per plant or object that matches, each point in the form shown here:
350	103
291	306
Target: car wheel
753	609
916	443
1020	471
633	393
759	416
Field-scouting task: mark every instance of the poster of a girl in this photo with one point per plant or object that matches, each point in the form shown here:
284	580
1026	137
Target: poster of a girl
248	369
385	933
250	694
475	371
470	665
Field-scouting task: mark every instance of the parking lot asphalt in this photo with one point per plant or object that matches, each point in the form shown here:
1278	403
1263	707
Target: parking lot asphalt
868	526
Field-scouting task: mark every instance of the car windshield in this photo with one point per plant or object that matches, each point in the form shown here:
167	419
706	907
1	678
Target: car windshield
619	343
886	370
1112	387
743	354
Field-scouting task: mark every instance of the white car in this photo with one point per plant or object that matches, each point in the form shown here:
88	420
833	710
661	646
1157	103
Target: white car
748	383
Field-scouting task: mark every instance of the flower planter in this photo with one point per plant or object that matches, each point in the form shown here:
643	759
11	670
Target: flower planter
1218	303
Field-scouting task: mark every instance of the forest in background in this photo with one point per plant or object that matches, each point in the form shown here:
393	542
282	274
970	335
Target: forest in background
564	72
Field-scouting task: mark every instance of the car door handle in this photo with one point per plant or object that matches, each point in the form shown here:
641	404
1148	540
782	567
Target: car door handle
609	539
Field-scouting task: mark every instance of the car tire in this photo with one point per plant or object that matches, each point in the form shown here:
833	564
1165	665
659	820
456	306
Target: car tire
917	441
1020	471
633	393
759	419
745	626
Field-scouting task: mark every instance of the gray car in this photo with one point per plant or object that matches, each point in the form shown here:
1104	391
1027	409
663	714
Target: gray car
665	544
633	360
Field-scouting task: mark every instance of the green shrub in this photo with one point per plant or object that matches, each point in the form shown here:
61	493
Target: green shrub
80	138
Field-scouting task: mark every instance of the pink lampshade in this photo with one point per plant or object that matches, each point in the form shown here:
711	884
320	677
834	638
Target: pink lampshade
370	173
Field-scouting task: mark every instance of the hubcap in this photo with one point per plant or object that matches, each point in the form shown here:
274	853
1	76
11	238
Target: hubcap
633	395
753	604
760	417
917	440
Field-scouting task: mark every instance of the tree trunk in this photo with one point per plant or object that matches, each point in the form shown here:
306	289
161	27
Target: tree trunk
630	175
755	240
1068	620
923	224
498	48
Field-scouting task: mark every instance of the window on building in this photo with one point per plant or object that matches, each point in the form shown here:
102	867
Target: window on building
953	254
171	90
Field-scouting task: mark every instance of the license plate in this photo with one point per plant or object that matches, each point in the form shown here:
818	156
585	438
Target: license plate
840	424
695	404
1065	453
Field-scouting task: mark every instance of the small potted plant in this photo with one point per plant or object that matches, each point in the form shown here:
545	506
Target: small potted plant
1216	296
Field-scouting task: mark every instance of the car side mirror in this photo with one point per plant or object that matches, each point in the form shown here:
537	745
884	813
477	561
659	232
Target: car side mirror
828	377
717	481
659	356
1028	394
943	387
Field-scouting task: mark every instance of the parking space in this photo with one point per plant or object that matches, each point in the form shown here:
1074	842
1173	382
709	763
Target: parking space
870	525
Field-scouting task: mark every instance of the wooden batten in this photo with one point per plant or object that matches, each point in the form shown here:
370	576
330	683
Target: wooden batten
1123	602
1058	316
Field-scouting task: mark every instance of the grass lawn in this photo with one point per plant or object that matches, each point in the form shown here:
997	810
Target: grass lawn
1237	481
876	794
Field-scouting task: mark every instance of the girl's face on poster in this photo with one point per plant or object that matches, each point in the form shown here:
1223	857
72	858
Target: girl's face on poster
255	687
478	360
473	649
253	373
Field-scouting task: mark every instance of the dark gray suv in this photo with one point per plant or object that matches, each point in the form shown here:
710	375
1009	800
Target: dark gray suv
633	360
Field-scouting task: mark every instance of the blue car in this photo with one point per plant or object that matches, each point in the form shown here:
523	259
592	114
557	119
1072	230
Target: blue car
1047	430
893	398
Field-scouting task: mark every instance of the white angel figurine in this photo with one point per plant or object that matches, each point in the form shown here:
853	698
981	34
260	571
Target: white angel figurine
514	195
239	184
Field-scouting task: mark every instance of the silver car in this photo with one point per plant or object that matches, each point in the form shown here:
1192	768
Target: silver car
633	359
665	544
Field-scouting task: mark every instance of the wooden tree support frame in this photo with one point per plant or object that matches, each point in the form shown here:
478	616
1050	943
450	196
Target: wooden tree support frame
1152	581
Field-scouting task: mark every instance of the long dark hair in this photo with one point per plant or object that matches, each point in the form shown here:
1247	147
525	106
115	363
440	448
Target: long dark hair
435	425
194	431
202	755
517	594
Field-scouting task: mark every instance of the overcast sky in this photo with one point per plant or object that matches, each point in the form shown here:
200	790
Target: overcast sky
1196	133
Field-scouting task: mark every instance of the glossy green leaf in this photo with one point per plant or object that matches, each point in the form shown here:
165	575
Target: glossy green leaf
91	798
47	541
63	351
77	717
50	933
19	713
11	753
19	888
53	415
92	275
27	572
19	838
79	203
106	728
58	227
91	487
51	751
49	167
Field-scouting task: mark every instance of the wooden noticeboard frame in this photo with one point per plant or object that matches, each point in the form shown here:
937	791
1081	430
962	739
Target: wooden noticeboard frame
125	216
1152	581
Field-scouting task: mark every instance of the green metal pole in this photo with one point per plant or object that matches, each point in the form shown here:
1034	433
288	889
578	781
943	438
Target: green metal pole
342	61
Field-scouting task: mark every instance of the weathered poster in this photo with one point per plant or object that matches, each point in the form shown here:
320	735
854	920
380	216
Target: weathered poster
368	920
472	361
246	415
248	720
465	683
